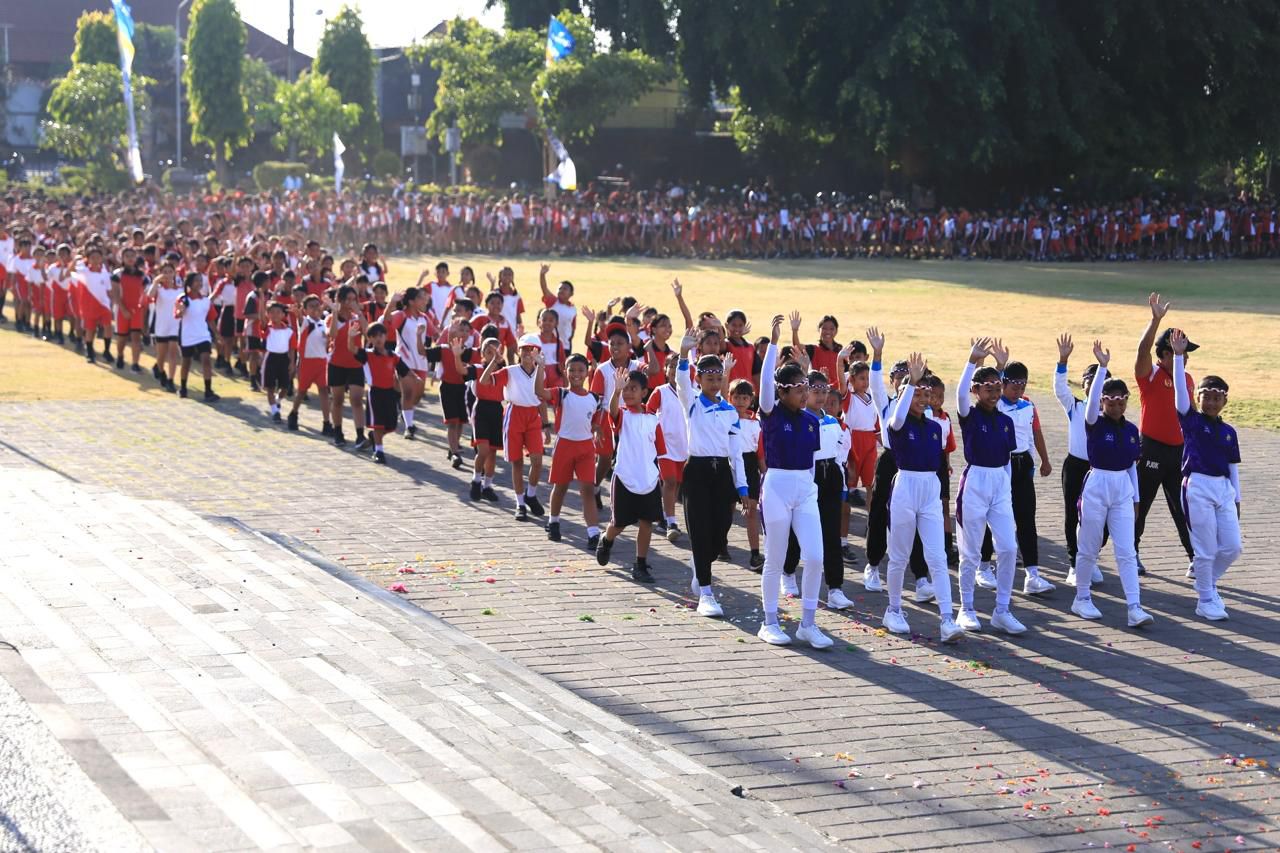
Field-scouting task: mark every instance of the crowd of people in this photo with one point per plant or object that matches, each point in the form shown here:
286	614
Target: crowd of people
656	410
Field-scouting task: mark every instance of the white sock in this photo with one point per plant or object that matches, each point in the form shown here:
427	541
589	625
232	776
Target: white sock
408	417
706	590
671	519
275	409
553	519
476	477
377	448
488	482
531	491
593	531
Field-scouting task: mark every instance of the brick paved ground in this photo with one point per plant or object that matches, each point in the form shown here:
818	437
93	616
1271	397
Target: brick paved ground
1073	735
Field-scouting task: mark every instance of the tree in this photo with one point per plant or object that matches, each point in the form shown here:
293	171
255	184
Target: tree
95	40
213	75
260	86
87	118
484	74
631	24
309	112
345	58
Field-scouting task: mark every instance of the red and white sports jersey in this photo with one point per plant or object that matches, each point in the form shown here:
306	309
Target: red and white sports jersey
512	308
566	318
665	403
575	414
518	386
410	330
280	339
859	414
315	343
98	284
602	380
442	296
640	443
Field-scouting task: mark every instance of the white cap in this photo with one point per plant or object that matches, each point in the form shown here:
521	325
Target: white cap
530	340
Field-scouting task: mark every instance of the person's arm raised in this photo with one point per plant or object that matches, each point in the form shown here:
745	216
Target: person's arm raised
1142	363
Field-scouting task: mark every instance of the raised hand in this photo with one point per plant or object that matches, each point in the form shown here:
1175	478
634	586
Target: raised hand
1158	308
634	311
619	379
544	269
493	280
980	348
777	328
746	329
1065	347
876	340
916	364
676	288
588	314
1178	342
1102	356
688	342
795	321
729	362
1001	353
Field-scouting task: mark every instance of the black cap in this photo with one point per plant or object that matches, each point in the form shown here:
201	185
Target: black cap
1162	342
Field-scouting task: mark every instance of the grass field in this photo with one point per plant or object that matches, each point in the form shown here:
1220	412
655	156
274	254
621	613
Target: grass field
1232	310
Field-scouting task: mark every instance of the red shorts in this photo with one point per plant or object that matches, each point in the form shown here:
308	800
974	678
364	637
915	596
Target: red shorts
573	460
422	374
670	468
521	431
133	323
59	302
92	312
604	443
313	371
20	287
38	298
862	457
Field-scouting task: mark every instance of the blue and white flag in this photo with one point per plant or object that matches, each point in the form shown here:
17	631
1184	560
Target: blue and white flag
560	41
124	38
565	175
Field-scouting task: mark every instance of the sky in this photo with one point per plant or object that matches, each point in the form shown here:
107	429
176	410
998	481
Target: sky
388	23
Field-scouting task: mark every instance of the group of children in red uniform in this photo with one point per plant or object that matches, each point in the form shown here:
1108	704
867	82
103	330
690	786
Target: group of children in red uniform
687	409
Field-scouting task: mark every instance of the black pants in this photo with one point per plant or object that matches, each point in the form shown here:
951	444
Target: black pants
1023	471
709	498
830	479
878	511
1073	472
1160	468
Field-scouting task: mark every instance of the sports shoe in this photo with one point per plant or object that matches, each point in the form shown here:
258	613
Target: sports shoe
489	494
856	498
592	542
380	457
522	512
553	531
673	532
1003	620
1036	585
135	368
293	421
895	622
924	591
1214	611
210	397
120	362
756	562
871	579
789	585
837	600
90	357
327	429
156	374
603	550
364	443
708	606
1085	610
1071	577
182	392
535	506
968	620
985	577
1097	575
774	635
949	631
411	432
275	417
1139	617
253	385
848	553
640	571
1142	569
724	555
814	637
339	440
660	527
1191	570
475	490
457	462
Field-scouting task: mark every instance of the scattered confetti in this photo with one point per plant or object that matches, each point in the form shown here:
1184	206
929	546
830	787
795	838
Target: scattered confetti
586	618
398	587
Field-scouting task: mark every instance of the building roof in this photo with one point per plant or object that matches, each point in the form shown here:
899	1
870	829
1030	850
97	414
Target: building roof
43	31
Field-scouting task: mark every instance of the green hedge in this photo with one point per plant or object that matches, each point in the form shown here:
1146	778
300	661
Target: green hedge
270	174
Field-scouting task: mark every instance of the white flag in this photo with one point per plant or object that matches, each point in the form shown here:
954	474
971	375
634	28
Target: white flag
565	174
338	166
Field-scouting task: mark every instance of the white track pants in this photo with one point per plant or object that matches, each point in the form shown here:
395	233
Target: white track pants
1106	501
984	500
1209	504
789	501
916	505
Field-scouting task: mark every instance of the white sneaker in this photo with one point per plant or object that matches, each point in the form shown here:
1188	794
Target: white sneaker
1071	577
673	532
949	631
814	637
1212	610
708	606
895	622
1036	585
1007	622
694	586
1097	575
924	591
837	600
774	635
1085	609
1139	617
789	585
1191	570
985	576
968	620
871	579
